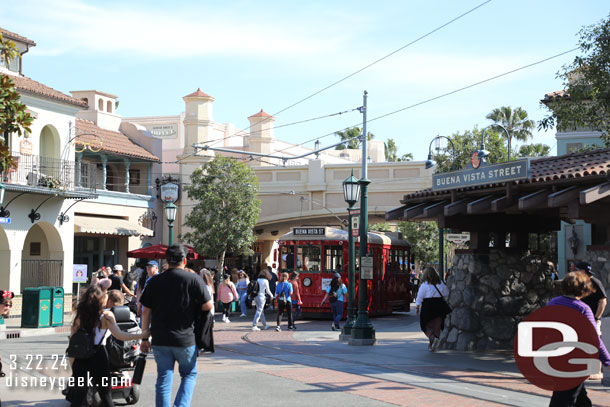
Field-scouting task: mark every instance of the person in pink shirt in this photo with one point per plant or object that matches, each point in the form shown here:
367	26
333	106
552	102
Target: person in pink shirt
227	294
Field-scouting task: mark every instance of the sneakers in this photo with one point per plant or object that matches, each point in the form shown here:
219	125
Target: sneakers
255	328
292	328
333	327
277	328
227	320
242	315
224	318
264	327
434	344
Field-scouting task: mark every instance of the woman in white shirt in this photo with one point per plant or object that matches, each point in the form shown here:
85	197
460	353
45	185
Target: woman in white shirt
261	299
431	300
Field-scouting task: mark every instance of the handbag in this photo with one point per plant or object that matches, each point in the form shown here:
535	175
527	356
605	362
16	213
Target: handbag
446	308
81	345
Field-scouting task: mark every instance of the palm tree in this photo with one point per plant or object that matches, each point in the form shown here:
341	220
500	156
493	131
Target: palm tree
515	121
349	134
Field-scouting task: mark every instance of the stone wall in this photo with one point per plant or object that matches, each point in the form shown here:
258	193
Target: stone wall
490	293
599	259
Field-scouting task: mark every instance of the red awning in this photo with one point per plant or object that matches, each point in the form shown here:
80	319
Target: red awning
158	252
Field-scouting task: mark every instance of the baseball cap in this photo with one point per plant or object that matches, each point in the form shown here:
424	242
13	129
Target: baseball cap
337	275
175	253
153	263
104	283
117	267
583	265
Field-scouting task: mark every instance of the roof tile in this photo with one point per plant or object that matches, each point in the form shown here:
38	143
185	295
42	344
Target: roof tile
261	114
13	36
24	84
574	165
198	93
112	141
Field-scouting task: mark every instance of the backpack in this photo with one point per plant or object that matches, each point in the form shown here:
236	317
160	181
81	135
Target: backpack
252	289
81	345
282	296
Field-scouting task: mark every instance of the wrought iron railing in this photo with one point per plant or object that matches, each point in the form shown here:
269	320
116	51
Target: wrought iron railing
52	173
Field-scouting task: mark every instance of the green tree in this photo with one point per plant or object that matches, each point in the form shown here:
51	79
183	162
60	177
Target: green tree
515	121
534	150
465	144
586	102
423	237
14	117
391	152
380	227
350	134
226	209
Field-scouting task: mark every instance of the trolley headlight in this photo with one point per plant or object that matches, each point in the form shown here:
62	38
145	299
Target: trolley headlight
307	281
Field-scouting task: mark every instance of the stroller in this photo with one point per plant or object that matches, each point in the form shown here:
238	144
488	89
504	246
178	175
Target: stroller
124	356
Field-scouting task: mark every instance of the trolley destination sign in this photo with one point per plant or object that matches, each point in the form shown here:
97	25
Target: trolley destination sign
309	231
487	174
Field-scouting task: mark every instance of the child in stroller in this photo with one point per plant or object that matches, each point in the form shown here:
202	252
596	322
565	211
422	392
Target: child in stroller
124	356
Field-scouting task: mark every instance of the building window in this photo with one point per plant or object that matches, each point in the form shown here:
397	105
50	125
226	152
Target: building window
34	248
100	105
109	107
86	101
134	177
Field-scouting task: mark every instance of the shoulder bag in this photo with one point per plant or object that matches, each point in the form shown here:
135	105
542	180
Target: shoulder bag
446	309
81	345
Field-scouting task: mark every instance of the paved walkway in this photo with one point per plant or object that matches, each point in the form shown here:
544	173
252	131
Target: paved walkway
310	367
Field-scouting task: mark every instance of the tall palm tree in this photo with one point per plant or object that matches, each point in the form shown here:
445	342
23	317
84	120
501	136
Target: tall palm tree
515	121
349	134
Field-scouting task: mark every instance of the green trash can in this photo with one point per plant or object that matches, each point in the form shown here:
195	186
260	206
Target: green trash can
36	308
57	316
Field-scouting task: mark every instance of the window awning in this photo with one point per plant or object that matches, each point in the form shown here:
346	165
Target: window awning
109	226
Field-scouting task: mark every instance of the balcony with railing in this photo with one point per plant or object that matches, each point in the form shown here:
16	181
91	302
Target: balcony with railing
33	173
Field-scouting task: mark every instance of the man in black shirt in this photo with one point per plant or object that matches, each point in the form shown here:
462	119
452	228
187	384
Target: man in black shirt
117	281
171	301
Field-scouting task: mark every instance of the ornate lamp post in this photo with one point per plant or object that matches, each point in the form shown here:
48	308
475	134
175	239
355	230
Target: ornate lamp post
430	161
495	126
170	214
351	194
363	332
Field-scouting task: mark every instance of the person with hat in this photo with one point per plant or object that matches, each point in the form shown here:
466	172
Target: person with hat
117	281
152	269
334	293
597	301
171	302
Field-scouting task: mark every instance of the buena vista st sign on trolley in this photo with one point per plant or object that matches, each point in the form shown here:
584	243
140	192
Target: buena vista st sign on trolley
481	175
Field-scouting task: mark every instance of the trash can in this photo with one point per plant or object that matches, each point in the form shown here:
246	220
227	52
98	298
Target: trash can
57	316
36	308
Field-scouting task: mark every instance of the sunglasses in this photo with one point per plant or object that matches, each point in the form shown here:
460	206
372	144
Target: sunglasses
7	304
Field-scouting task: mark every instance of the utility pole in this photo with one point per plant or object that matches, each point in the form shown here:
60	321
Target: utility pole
363	332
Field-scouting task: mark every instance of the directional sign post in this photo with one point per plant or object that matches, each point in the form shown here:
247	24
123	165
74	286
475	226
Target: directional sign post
355	226
458	238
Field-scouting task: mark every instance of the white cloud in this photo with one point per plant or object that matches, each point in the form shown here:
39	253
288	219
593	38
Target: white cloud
73	25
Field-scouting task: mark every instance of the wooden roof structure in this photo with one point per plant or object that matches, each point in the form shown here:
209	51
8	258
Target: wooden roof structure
569	187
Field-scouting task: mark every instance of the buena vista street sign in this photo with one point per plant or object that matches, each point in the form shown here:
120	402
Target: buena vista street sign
483	174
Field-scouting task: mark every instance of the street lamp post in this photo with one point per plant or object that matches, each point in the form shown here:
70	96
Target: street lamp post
497	126
363	332
351	193
170	214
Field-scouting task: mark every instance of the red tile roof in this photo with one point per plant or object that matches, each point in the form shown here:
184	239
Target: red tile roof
198	93
569	166
112	141
560	94
26	85
16	37
261	114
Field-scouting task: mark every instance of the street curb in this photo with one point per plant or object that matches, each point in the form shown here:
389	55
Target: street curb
25	333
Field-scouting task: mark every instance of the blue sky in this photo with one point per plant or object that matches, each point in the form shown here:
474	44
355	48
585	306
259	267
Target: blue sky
270	54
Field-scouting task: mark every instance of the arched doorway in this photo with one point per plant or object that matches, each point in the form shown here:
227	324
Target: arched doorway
49	154
42	257
5	259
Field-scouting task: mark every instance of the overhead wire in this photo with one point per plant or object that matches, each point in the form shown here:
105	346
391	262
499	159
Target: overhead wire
372	63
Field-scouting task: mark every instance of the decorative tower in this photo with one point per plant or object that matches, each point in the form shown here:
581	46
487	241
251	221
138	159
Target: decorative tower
197	119
261	133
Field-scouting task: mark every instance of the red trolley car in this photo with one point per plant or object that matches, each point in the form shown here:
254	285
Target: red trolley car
319	252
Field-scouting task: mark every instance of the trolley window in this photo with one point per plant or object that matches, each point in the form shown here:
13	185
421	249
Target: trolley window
333	259
308	258
287	258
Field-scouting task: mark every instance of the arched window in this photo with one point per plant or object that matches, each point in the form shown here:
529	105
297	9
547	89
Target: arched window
109	106
100	105
86	101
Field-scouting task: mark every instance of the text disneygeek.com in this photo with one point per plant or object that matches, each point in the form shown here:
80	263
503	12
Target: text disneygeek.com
14	381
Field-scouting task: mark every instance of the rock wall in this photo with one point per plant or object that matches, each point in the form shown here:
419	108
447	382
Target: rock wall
490	293
599	259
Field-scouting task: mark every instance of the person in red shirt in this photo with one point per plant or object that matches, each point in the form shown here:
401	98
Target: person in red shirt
296	298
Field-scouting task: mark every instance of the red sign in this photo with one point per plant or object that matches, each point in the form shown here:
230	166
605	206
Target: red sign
355	232
475	160
556	348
